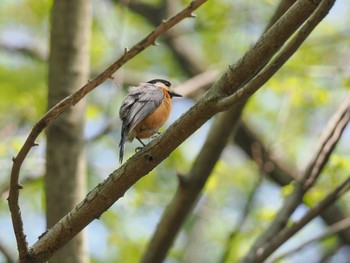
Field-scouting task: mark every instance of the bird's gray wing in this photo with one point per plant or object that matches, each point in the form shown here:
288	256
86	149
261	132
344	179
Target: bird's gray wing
140	103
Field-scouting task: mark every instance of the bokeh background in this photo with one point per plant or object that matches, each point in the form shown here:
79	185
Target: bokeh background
288	114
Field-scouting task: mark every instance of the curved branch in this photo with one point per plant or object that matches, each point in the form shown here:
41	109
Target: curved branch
69	102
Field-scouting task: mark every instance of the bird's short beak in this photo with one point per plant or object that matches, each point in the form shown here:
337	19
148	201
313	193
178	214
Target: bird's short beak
174	94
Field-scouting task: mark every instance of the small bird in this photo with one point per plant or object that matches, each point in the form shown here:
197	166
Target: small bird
144	111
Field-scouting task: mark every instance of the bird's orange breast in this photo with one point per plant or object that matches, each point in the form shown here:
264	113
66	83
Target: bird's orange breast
151	124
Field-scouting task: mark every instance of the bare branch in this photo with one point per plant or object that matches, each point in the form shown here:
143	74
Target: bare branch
270	246
282	174
243	71
333	131
279	173
5	188
187	194
105	194
69	102
333	229
328	141
280	58
283	6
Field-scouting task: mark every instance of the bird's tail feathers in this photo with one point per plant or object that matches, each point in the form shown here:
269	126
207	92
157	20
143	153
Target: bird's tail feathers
123	140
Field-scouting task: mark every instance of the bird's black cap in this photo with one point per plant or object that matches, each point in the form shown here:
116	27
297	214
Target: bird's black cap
165	82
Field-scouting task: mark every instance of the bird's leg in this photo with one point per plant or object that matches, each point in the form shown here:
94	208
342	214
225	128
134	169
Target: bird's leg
156	134
139	148
141	141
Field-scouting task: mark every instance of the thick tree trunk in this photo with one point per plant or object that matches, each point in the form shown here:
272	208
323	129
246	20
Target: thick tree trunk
65	162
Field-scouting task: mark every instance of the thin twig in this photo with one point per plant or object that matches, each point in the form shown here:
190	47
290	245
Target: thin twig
270	246
333	229
281	174
334	131
328	141
70	101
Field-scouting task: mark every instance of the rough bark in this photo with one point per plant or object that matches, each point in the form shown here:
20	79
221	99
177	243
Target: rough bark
71	224
245	77
65	161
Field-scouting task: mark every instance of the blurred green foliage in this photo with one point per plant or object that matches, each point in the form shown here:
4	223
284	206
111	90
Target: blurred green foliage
289	113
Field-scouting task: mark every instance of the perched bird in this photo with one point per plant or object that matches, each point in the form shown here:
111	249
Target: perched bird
144	111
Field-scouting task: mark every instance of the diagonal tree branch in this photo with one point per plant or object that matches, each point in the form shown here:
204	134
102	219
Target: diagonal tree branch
245	138
281	174
282	7
282	57
69	102
188	193
328	141
333	229
106	193
271	245
189	190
